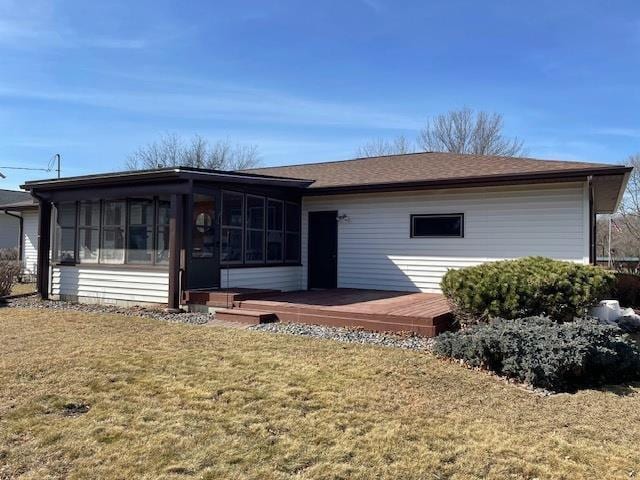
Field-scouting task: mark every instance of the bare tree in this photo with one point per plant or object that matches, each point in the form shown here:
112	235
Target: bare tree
380	146
467	131
630	205
171	150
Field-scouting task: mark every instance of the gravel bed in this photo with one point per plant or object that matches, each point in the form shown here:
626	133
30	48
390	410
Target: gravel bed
410	342
153	313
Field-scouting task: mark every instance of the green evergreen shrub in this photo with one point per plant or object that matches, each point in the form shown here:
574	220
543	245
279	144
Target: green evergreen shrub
525	287
546	354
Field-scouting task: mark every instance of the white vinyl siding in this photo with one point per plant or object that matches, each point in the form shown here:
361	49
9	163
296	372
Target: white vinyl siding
375	249
9	228
30	243
110	285
278	278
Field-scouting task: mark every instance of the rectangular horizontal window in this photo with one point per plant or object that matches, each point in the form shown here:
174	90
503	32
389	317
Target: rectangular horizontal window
437	225
132	231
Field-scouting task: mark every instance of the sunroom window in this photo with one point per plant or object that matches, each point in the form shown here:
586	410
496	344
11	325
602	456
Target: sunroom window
254	251
133	231
162	232
65	239
140	233
113	230
275	238
89	231
232	225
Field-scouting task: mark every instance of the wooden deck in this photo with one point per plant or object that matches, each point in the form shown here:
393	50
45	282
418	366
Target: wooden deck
425	314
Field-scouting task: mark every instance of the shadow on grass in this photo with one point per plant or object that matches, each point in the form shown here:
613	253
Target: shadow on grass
622	389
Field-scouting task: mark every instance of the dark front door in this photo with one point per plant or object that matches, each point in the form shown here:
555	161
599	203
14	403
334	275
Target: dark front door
323	249
203	247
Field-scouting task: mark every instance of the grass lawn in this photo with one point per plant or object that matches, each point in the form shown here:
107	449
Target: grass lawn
177	401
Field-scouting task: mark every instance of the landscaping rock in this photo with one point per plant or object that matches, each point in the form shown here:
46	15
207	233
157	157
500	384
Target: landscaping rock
630	323
410	342
153	313
609	312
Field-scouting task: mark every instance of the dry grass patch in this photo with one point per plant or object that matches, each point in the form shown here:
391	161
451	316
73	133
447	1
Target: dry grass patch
22	288
103	396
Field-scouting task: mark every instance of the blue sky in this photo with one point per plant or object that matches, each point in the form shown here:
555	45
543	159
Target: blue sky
310	81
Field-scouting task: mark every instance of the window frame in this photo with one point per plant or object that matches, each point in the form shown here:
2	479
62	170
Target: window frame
155	199
412	218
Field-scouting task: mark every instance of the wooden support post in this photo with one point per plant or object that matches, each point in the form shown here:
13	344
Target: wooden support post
175	246
592	224
44	247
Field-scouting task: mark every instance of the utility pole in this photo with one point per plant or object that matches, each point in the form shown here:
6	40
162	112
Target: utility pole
57	157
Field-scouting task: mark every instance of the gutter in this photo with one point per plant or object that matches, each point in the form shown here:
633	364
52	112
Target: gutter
177	173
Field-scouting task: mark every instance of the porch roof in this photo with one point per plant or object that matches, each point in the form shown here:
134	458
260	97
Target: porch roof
164	174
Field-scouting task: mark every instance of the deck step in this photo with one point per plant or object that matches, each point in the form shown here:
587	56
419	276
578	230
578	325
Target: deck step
224	297
250	317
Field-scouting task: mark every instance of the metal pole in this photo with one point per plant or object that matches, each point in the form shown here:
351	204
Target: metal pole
58	159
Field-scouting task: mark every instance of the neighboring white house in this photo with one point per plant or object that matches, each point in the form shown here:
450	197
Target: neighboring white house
385	223
19	229
9	224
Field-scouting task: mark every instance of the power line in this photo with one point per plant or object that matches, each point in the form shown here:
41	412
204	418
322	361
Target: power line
54	161
27	168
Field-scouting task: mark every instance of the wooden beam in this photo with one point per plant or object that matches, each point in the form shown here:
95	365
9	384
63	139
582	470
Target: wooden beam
44	244
175	247
592	224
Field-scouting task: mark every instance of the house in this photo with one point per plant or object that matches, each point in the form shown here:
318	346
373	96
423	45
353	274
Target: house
19	228
9	224
391	223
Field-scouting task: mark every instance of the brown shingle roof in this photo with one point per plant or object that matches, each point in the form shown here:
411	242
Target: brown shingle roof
424	167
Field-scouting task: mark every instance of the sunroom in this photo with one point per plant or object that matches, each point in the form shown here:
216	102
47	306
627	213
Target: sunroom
148	236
